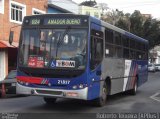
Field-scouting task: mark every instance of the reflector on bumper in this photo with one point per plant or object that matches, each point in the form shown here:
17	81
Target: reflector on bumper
72	94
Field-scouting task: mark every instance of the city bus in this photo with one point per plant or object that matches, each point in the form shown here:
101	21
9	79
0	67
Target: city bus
78	57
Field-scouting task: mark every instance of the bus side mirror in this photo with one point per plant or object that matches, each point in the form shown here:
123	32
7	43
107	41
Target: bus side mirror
11	37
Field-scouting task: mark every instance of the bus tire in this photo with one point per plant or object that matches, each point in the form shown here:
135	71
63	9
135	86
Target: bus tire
49	100
134	90
101	101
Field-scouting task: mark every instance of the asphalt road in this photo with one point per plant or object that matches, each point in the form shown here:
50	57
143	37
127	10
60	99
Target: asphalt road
147	100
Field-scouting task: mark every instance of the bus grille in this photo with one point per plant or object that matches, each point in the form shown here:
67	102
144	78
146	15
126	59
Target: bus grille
49	92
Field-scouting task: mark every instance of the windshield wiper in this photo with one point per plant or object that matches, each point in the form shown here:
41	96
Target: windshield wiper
60	40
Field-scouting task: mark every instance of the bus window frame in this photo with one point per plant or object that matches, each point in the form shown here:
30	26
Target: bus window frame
126	46
94	39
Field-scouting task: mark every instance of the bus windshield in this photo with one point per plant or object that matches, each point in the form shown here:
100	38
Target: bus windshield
53	48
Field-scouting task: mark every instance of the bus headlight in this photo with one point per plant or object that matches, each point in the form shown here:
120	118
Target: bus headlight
21	82
26	83
49	84
74	87
81	86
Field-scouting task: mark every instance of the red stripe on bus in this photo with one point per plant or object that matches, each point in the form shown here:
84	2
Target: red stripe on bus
35	80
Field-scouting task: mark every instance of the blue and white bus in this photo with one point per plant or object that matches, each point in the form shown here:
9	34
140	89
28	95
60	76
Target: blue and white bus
80	57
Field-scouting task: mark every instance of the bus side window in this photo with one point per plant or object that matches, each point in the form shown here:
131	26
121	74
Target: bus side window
118	40
126	53
125	41
110	50
109	34
96	52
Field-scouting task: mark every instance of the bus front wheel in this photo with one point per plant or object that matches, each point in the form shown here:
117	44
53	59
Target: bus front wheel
101	101
49	100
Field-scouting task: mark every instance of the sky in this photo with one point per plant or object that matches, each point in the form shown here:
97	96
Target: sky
128	6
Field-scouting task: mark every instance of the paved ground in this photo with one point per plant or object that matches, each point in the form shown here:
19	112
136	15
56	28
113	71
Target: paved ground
146	100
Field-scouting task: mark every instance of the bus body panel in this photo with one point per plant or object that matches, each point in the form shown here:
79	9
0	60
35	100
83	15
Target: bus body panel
123	72
94	80
142	72
114	68
55	83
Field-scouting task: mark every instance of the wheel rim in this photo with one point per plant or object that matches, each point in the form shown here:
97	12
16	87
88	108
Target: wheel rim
104	92
135	87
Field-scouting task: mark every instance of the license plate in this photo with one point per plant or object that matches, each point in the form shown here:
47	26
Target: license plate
13	84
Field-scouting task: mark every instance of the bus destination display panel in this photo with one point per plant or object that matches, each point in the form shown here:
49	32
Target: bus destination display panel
59	21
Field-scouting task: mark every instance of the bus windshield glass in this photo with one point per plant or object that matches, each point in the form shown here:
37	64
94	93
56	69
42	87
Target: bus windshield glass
53	48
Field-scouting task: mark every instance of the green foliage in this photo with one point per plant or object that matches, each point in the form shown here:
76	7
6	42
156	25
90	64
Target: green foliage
136	20
136	23
89	3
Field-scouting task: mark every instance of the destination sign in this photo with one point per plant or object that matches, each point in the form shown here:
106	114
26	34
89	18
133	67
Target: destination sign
62	21
35	21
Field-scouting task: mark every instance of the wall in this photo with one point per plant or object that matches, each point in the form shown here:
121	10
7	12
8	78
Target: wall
90	11
5	18
52	10
2	66
6	24
66	5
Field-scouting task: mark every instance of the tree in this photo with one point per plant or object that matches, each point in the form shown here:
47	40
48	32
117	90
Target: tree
124	22
136	20
104	7
113	16
145	27
151	31
89	3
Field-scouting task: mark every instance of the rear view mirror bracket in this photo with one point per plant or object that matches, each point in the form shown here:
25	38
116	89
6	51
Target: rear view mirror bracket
11	35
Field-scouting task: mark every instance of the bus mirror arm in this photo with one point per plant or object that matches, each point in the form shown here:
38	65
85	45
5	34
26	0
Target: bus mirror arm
11	35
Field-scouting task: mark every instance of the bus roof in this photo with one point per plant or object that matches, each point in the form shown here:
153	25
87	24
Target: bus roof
55	14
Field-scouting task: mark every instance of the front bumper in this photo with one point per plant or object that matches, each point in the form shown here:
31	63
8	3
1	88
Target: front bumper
76	94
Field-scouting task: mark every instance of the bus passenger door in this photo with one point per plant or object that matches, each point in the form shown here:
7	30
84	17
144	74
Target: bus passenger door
96	57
